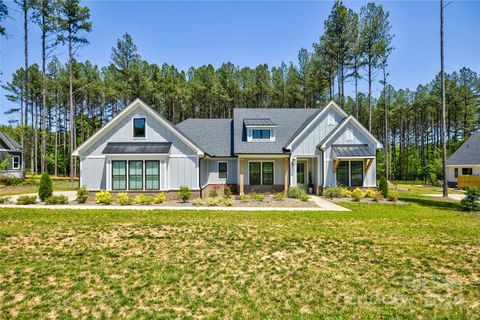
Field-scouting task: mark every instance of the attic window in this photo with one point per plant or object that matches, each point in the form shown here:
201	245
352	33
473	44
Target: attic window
261	134
139	128
330	120
349	135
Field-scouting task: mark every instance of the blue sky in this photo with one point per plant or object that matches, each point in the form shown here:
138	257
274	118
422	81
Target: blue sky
250	33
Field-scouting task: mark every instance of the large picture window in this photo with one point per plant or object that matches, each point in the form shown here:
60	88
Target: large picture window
119	175
139	128
261	173
222	170
255	173
135	175
267	173
356	173
350	173
152	175
342	174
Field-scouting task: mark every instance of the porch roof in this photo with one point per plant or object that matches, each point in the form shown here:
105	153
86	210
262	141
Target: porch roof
137	148
352	151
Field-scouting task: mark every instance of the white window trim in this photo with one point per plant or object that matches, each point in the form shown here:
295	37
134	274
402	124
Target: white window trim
133	128
13	163
261	171
218	169
250	134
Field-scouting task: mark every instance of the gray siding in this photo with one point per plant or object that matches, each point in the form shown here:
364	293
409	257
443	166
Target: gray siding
183	172
9	171
232	174
93	173
279	169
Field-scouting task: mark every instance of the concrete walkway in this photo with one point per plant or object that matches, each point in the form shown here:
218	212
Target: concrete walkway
327	205
451	196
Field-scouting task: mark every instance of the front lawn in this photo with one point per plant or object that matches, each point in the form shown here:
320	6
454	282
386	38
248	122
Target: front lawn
30	185
415	260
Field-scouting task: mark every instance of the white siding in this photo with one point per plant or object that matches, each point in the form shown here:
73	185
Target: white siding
451	175
93	173
183	171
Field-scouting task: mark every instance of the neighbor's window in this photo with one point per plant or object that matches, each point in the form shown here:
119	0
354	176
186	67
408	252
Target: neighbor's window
152	175
119	175
139	127
455	172
135	175
261	134
255	176
222	170
467	171
16	162
356	173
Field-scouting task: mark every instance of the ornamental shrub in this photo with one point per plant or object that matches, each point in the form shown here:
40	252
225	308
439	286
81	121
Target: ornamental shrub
227	192
143	199
45	189
392	196
4	200
304	197
279	196
296	192
244	198
471	201
198	202
184	193
333	192
212	202
60	199
103	197
123	199
357	194
24	200
258	197
383	187
160	198
369	193
82	195
377	196
346	193
227	202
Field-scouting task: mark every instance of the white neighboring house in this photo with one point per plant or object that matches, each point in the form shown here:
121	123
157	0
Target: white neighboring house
465	161
11	155
259	149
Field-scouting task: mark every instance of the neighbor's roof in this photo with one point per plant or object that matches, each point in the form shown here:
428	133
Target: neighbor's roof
468	153
352	150
8	142
137	148
213	136
289	122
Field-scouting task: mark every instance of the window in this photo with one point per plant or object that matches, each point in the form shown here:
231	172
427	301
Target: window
152	175
301	173
467	171
261	173
135	175
16	162
222	170
342	174
349	135
330	120
119	175
263	134
267	173
356	173
255	173
455	172
139	127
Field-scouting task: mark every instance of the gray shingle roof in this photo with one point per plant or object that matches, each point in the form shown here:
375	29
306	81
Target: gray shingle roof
259	122
137	147
468	153
10	142
289	123
213	136
352	150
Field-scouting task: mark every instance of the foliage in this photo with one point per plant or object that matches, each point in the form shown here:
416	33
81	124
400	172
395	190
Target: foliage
296	192
123	199
82	194
160	198
11	181
346	193
198	202
227	192
54	199
369	193
213	193
24	200
333	192
45	189
392	196
4	200
244	198
212	202
279	196
433	179
376	196
471	200
357	194
104	197
257	196
304	197
184	193
383	187
143	199
227	202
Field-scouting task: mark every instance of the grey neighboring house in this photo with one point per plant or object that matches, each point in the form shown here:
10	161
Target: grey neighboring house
10	154
464	161
262	150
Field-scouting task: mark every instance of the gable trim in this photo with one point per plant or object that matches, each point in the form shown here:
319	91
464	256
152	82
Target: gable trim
123	114
330	105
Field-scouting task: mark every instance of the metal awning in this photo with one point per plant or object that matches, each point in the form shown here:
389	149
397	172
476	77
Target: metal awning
137	148
352	151
259	122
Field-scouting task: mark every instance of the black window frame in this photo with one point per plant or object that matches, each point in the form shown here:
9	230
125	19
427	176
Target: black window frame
272	173
455	172
262	132
144	127
360	163
220	171
125	175
340	166
135	175
468	170
259	173
150	175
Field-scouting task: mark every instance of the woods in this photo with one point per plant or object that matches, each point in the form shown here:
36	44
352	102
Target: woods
58	104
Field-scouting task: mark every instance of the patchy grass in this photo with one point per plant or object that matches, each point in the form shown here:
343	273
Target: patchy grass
419	260
30	185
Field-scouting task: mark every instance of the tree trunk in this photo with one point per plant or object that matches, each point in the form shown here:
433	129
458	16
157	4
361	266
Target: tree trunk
44	99
25	43
444	133
72	109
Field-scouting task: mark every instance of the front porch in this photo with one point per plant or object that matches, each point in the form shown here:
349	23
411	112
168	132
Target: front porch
263	173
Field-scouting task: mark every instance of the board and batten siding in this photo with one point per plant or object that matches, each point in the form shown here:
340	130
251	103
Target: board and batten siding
278	168
451	171
212	174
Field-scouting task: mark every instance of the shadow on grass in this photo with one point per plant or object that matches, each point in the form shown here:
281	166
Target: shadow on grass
433	203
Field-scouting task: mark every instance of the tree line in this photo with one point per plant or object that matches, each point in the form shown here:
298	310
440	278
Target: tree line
48	97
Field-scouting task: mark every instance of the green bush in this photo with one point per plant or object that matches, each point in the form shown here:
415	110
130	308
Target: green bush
333	192
227	192
143	199
103	197
4	200
160	198
198	202
304	197
24	200
227	202
433	179
212	202
123	199
185	193
244	198
60	199
11	181
258	197
377	196
383	187
346	193
279	196
369	193
296	192
357	194
471	201
213	193
45	189
82	194
392	196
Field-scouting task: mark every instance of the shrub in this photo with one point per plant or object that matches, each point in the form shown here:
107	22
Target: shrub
433	179
160	198
143	199
392	197
45	189
24	200
357	194
213	193
103	197
212	202
123	199
304	197
258	197
377	196
369	193
227	202
12	181
82	194
279	196
198	202
383	187
60	199
471	201
346	193
227	192
296	192
4	200
184	193
333	192
244	198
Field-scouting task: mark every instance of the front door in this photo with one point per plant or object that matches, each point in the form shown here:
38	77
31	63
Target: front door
301	173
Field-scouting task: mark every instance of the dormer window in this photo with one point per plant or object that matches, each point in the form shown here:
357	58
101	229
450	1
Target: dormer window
139	130
260	130
261	134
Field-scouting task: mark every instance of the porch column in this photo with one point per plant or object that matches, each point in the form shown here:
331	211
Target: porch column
285	180
241	191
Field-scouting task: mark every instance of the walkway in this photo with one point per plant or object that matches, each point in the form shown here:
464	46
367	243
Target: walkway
453	196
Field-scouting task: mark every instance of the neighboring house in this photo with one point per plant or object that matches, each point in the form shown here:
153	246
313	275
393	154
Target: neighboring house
260	150
465	161
10	157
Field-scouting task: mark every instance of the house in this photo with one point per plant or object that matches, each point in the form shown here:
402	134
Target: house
261	150
11	161
465	161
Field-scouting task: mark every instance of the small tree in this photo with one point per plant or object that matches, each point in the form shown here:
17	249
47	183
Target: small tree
471	200
383	186
184	193
45	189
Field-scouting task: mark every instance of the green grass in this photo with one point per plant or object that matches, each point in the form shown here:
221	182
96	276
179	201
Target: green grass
30	185
419	260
